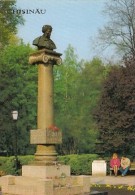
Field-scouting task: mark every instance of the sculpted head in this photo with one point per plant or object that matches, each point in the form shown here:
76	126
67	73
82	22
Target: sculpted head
47	29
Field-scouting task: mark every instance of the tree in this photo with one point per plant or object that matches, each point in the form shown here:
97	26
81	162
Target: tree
8	21
120	29
66	77
89	88
115	114
77	88
18	84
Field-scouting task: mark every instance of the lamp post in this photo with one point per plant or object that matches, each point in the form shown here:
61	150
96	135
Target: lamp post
15	117
99	149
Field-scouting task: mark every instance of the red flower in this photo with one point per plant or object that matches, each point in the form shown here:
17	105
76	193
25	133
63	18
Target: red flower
53	128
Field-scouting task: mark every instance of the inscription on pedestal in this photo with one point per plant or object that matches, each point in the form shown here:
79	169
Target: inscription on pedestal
46	136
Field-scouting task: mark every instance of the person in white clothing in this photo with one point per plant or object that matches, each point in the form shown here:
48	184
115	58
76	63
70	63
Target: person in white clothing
125	165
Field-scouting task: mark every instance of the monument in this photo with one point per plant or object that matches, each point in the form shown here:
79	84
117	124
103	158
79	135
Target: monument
45	175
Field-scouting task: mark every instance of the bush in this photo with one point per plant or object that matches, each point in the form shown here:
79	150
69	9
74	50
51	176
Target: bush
2	162
3	159
7	164
9	167
80	164
25	160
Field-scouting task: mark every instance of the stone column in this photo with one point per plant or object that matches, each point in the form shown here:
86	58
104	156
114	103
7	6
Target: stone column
44	136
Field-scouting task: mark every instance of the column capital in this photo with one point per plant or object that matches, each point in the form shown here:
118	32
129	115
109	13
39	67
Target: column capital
45	56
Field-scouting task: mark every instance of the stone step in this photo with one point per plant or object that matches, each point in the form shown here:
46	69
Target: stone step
25	185
23	190
76	189
33	190
20	185
20	180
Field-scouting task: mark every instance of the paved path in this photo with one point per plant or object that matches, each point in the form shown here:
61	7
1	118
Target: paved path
112	180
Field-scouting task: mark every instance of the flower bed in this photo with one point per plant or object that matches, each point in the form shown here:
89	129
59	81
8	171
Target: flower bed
114	189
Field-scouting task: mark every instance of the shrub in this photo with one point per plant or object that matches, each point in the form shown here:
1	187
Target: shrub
7	164
80	164
24	160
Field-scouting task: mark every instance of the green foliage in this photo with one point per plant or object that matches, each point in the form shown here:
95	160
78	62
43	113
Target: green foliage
77	88
80	164
7	164
18	83
66	78
8	167
8	21
2	160
25	160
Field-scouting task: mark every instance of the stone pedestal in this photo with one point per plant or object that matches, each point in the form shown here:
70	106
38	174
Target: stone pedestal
44	172
24	185
99	167
45	152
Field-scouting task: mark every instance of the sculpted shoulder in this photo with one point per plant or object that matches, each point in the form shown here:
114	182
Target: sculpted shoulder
36	41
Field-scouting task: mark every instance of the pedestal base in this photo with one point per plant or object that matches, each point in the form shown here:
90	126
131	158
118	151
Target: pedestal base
20	185
45	153
44	172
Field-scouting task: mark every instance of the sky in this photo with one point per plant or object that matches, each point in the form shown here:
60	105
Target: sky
74	22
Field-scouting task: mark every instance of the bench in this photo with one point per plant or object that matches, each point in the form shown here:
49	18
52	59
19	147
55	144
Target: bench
132	168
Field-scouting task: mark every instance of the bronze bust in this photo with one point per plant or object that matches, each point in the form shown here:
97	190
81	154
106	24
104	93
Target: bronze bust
44	41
